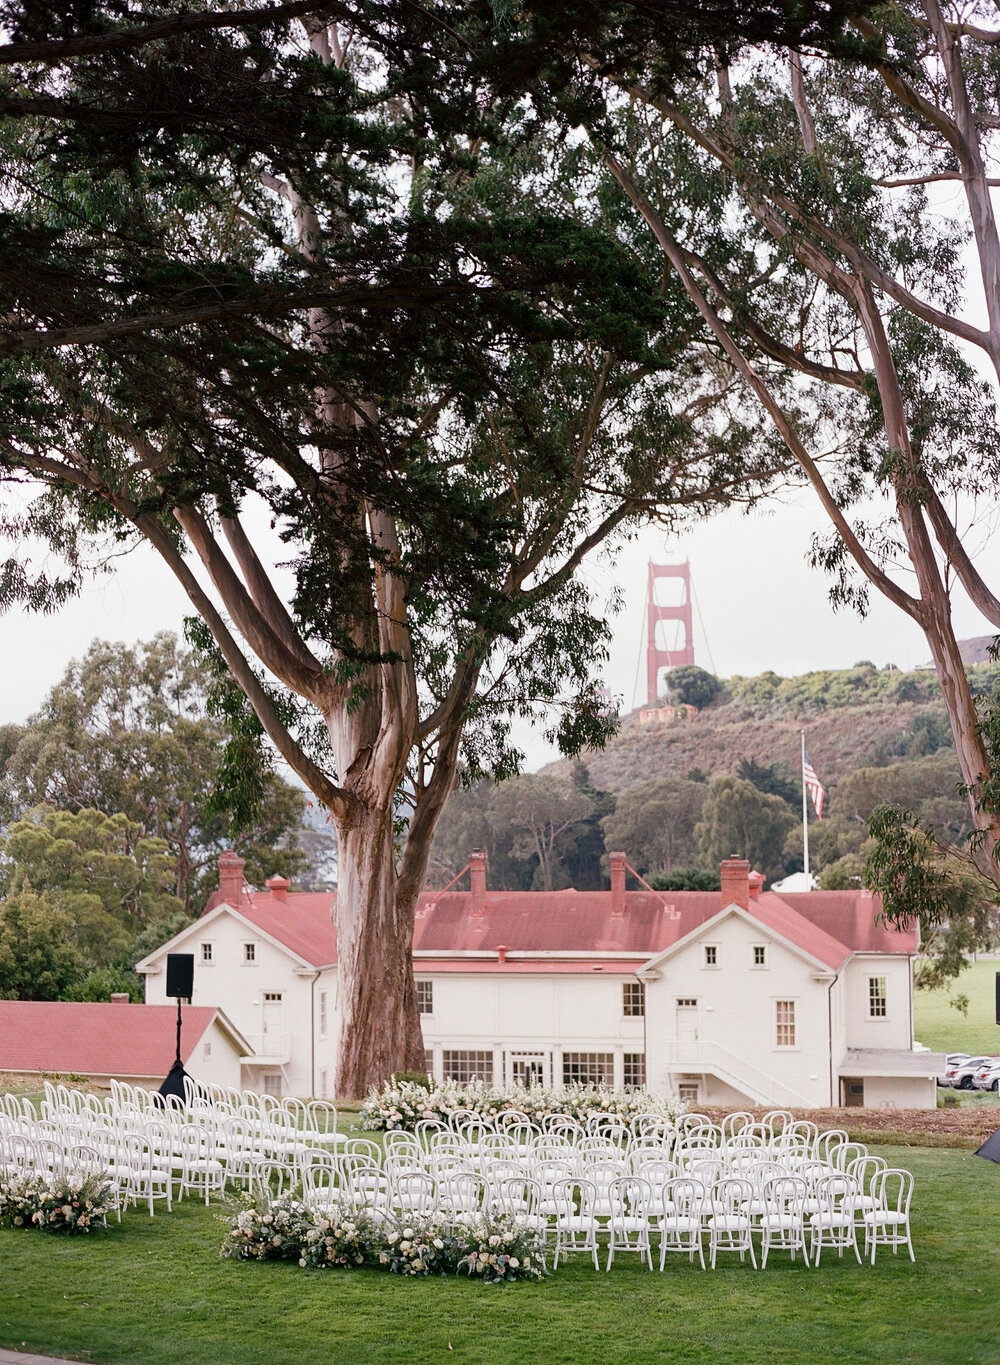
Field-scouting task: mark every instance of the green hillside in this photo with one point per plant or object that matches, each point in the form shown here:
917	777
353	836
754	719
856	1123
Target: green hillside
852	718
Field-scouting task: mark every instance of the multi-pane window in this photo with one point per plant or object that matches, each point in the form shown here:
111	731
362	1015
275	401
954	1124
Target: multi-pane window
322	1084
206	952
759	955
635	1069
429	1060
684	1003
249	952
465	1065
688	1092
322	1014
272	1082
633	999
425	997
588	1068
876	997
785	1021
272	997
711	955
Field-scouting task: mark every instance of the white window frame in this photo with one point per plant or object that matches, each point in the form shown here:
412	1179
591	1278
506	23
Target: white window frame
322	1016
425	987
759	949
874	997
250	954
207	953
792	1021
633	1000
711	957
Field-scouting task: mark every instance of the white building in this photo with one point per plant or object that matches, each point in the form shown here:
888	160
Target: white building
747	997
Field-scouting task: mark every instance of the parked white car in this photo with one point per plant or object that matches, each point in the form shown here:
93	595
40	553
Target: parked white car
987	1077
952	1060
960	1075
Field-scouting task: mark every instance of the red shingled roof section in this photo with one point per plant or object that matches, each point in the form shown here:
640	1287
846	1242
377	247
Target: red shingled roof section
850	917
302	921
828	925
97	1039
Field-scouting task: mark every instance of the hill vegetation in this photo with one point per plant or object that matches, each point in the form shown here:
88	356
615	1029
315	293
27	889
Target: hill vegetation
680	789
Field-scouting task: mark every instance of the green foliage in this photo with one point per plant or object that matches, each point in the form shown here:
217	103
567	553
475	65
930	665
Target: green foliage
737	818
107	877
686	879
106	982
843	874
38	957
654	822
127	731
693	686
771	778
829	689
922	883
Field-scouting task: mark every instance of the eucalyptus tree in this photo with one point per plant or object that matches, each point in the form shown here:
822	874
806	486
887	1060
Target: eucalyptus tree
827	216
315	324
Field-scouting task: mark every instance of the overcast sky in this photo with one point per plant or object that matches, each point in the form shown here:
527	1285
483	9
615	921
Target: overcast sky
761	604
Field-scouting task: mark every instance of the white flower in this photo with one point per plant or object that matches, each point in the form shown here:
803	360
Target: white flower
513	1263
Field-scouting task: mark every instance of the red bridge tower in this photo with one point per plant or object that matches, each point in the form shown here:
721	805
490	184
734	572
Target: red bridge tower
657	656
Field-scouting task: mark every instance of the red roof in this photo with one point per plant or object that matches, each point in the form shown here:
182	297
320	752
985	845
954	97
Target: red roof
828	925
461	966
302	921
97	1039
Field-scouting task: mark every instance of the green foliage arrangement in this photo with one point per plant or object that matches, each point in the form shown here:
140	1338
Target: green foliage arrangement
72	1204
493	1248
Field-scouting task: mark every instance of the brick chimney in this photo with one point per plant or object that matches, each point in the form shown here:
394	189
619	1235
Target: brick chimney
617	861
278	887
501	953
756	885
734	873
477	880
231	867
119	997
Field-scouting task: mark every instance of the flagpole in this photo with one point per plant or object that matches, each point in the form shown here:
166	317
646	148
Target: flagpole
805	809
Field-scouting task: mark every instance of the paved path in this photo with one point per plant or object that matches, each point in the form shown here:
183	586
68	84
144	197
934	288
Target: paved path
23	1358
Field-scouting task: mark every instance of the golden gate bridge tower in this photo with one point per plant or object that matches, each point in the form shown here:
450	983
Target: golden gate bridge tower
658	654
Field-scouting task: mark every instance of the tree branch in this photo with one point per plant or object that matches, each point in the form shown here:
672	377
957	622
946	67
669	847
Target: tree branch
55	49
670	249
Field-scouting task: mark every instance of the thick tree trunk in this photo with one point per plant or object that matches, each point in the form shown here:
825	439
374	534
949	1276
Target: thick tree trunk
379	1027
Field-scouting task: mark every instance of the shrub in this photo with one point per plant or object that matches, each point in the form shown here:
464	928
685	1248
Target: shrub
75	1203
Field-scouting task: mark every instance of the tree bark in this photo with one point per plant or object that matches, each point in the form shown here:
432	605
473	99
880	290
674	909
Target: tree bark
379	1027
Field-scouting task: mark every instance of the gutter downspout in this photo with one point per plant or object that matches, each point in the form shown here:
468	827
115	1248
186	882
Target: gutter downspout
645	1052
829	1025
312	1035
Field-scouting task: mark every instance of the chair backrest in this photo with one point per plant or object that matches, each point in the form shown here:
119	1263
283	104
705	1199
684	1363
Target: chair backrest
844	1153
322	1116
829	1139
574	1197
785	1194
415	1190
518	1195
776	1120
509	1116
397	1144
732	1123
629	1196
864	1169
731	1194
684	1195
893	1190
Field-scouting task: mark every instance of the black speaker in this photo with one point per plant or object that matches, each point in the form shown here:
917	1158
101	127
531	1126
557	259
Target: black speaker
180	975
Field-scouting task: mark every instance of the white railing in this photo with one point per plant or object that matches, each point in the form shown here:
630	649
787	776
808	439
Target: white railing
736	1070
275	1045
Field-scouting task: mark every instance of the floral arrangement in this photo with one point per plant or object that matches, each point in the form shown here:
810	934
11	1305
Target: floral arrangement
74	1203
400	1104
492	1247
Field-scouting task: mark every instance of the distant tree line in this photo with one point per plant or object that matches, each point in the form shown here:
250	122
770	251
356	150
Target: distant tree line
111	826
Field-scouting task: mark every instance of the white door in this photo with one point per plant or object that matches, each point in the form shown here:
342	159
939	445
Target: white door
527	1068
273	1013
687	1021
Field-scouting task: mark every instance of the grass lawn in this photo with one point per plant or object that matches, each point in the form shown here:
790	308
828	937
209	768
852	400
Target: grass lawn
943	1028
156	1291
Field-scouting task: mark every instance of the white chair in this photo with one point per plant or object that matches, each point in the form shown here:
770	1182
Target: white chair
628	1222
574	1226
833	1225
730	1227
201	1171
682	1203
783	1221
888	1223
414	1192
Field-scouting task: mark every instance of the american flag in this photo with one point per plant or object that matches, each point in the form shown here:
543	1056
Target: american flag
813	785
